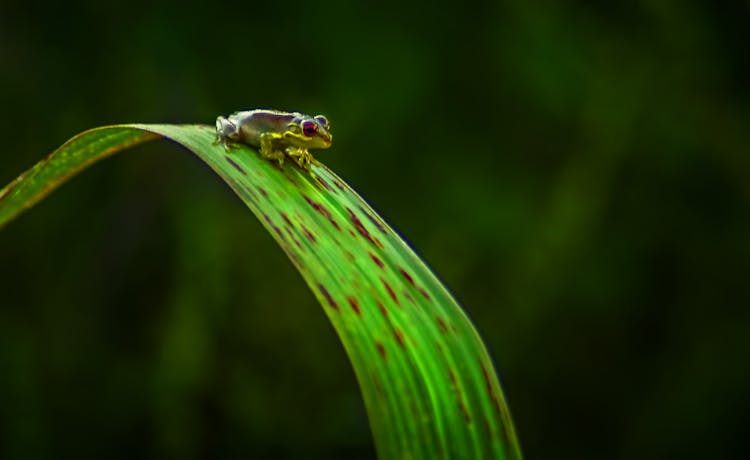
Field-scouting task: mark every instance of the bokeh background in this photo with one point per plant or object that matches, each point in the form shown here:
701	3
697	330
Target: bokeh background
578	175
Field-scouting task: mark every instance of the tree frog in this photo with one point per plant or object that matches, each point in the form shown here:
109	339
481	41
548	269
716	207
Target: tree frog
278	134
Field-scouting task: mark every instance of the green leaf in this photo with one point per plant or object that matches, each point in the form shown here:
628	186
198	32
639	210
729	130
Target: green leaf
429	385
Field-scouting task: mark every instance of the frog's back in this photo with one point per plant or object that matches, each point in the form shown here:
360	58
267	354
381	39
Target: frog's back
253	123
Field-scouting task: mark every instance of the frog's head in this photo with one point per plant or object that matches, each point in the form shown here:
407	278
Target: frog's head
310	132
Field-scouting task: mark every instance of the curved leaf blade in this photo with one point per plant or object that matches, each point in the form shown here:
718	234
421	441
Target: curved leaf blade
429	385
71	158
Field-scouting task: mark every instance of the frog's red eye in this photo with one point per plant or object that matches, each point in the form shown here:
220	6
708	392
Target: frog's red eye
309	128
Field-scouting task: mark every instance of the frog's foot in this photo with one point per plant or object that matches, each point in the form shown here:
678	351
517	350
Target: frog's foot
301	156
227	143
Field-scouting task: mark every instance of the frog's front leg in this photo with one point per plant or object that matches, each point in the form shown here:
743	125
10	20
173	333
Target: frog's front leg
301	156
267	148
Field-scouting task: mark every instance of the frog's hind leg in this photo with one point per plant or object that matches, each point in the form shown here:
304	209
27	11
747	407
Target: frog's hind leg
226	134
225	142
268	150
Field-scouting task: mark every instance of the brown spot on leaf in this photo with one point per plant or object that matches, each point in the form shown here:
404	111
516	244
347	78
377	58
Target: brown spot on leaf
464	411
442	324
390	291
328	297
424	293
399	337
453	378
382	308
377	260
262	191
323	211
381	349
252	196
296	261
324	184
362	229
296	241
407	276
461	404
274	227
354	304
308	234
235	165
287	220
490	390
374	220
410	298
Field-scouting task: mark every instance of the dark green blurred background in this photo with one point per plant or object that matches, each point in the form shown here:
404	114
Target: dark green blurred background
578	175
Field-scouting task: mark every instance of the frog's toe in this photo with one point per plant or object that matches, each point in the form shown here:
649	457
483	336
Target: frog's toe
279	160
304	162
226	143
301	156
